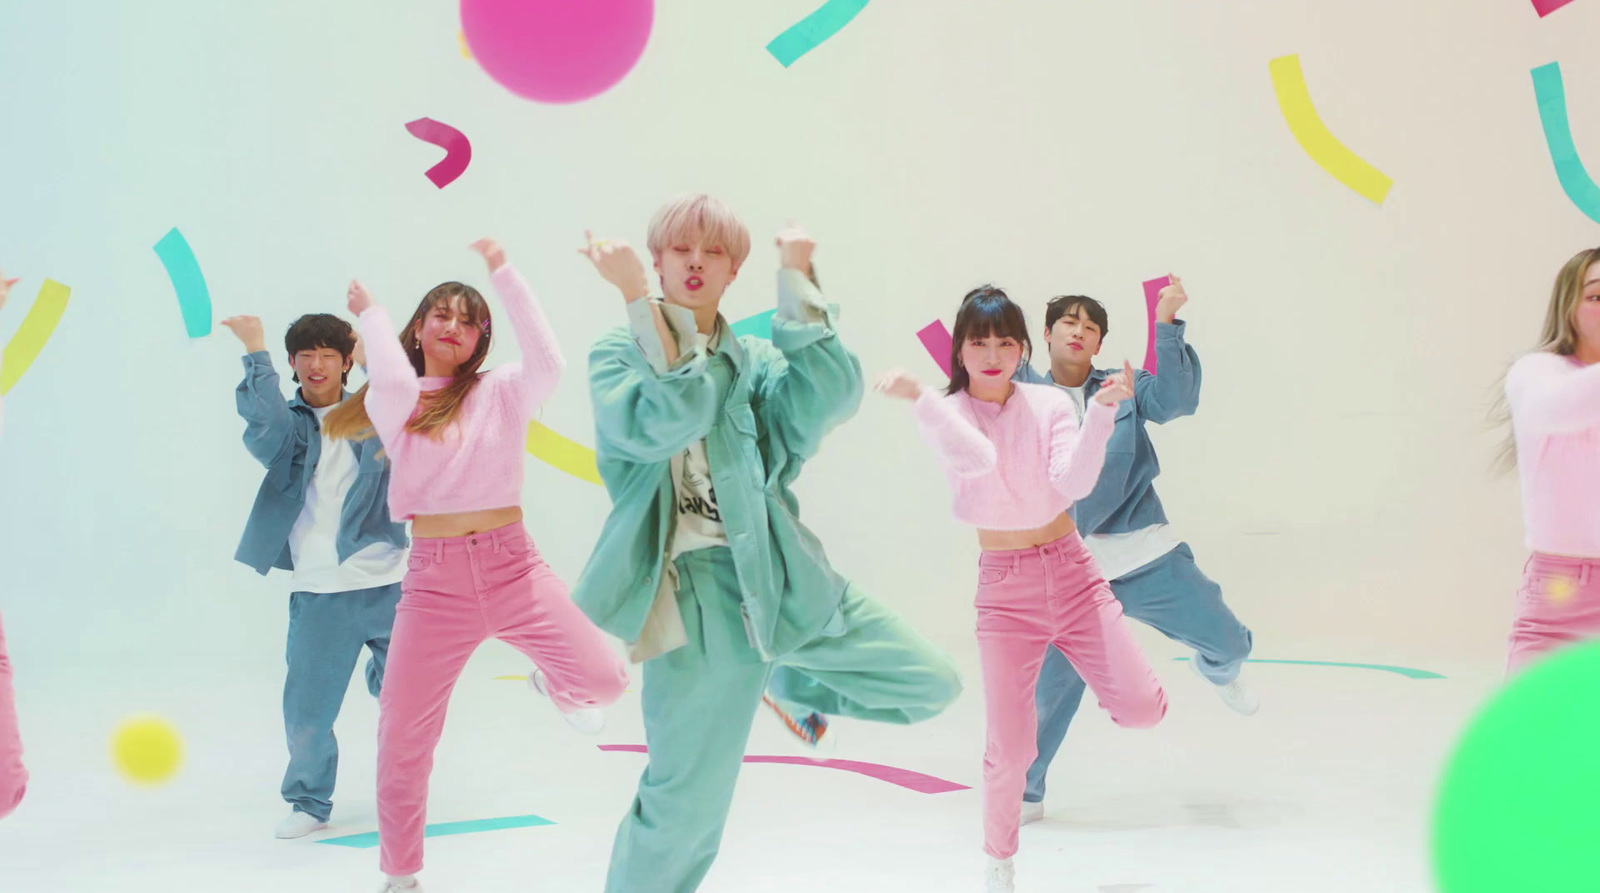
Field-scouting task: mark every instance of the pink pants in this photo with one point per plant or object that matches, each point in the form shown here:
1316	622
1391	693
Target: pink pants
1558	604
458	592
13	778
1029	600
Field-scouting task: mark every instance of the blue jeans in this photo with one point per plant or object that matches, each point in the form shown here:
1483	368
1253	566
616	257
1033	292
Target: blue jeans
1169	594
326	632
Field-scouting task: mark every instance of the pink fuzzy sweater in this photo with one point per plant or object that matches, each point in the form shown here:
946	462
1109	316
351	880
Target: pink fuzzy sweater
1017	465
477	462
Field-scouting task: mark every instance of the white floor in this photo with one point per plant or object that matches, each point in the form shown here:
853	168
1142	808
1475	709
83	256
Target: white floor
1326	789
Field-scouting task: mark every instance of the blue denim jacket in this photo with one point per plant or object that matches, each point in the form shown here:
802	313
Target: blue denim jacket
762	408
1125	498
284	436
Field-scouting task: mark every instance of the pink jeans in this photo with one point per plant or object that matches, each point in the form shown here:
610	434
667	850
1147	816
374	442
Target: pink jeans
458	592
1558	604
1029	600
13	778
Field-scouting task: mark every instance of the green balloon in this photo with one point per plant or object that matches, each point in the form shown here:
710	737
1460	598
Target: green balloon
1518	809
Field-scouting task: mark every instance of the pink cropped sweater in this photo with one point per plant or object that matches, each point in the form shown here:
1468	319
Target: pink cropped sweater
1020	464
476	463
1555	417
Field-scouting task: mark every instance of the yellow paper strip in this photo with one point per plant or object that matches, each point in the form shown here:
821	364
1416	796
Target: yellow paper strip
34	331
568	456
1289	82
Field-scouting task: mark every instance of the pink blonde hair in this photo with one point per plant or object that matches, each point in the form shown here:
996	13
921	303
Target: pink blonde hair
699	215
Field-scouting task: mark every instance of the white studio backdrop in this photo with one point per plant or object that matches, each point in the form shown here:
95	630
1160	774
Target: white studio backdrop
1335	480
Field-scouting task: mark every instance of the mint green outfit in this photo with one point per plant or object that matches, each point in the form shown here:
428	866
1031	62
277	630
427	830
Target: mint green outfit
767	610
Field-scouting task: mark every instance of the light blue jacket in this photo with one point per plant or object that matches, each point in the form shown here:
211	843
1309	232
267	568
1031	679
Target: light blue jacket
1125	498
762	408
284	436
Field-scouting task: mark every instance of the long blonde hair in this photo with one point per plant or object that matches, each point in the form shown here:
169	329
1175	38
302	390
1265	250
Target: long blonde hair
436	409
1560	336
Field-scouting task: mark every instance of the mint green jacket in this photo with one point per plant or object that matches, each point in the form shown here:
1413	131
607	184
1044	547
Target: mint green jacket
762	408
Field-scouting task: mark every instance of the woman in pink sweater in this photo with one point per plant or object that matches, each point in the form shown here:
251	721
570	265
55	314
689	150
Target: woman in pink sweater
1553	397
455	437
1017	459
13	777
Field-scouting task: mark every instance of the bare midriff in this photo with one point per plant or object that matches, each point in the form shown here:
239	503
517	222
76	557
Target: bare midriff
1007	540
464	523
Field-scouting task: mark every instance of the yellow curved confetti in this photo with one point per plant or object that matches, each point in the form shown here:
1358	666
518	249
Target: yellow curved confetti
35	330
461	37
1289	82
570	456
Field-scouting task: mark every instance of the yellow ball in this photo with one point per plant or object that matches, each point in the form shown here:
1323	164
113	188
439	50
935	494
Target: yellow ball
1561	590
146	749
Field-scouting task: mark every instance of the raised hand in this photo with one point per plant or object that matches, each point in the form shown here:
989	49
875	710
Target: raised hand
492	253
358	300
901	385
1118	387
795	247
248	329
618	265
1171	299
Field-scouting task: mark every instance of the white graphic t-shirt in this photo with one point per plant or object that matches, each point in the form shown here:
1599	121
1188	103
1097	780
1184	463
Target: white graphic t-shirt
699	524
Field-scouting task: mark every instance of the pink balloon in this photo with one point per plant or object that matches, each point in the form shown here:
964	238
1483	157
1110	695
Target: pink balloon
557	50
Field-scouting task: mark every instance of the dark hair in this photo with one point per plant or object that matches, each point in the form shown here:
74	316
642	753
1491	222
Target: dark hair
1062	305
985	312
436	409
318	330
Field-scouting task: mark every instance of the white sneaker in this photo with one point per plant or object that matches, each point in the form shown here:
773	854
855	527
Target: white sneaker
1000	876
588	720
1032	812
298	824
406	884
1238	698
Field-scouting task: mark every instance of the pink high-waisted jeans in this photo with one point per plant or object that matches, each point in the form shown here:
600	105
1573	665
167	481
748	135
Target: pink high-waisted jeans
1028	601
1558	604
458	592
13	777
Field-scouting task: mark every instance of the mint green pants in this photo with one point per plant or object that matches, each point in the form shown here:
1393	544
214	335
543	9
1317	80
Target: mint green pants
699	702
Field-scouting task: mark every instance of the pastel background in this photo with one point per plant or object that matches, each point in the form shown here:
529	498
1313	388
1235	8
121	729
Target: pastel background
1336	480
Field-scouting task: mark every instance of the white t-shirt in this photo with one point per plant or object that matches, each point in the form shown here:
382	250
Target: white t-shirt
699	524
314	539
1078	398
1122	553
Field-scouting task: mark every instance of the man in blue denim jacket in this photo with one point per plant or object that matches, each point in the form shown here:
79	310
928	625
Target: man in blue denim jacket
1150	571
703	566
322	513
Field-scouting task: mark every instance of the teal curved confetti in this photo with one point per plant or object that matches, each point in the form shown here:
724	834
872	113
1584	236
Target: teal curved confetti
1552	97
184	271
759	325
805	35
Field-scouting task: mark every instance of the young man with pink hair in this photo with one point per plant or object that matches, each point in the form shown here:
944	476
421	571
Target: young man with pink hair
703	566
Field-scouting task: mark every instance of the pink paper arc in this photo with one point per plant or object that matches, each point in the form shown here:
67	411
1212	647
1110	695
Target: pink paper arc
457	149
936	338
1545	7
905	778
1152	296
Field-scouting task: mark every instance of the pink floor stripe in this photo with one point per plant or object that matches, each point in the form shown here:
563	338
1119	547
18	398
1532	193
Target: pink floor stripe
916	781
